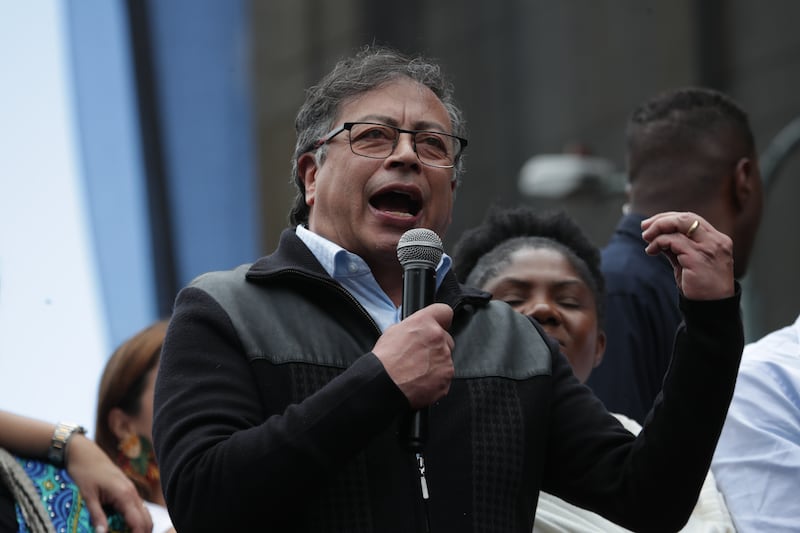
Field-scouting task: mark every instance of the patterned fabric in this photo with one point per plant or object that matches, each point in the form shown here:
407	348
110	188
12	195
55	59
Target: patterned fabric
497	448
137	460
62	499
345	504
18	489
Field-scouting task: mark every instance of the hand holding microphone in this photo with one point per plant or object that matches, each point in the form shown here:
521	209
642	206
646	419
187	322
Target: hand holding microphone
417	352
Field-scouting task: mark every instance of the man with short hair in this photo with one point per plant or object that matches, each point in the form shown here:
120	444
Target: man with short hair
689	149
283	384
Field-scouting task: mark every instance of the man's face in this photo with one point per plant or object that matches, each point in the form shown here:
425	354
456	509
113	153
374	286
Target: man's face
364	204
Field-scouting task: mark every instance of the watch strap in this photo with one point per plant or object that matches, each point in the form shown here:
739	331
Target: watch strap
57	454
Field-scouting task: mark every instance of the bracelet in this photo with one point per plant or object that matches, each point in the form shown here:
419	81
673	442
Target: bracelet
57	454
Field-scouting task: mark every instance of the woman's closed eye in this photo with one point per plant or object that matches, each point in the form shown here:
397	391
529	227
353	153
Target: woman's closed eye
570	303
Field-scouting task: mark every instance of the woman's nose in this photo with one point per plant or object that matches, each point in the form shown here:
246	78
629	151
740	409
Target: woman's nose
543	312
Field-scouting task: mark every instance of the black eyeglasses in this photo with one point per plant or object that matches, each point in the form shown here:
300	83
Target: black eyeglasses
378	141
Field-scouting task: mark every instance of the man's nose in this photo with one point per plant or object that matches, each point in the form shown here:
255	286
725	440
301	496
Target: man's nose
405	148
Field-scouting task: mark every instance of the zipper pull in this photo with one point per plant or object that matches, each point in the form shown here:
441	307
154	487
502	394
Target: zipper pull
422	481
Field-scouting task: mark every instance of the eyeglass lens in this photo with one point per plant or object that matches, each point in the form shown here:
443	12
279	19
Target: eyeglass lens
378	141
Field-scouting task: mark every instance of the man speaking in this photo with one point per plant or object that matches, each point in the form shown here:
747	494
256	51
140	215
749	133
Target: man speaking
284	384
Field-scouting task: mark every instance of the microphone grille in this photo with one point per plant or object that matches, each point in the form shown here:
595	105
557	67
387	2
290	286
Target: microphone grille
420	245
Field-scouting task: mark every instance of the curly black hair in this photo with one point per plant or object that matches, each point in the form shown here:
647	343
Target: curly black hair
484	250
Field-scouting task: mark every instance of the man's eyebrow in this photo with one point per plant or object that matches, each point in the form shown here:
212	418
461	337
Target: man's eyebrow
389	121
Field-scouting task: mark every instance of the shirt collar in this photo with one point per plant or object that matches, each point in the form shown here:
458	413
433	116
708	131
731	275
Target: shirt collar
339	263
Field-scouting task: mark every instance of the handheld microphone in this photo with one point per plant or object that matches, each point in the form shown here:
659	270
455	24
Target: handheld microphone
419	252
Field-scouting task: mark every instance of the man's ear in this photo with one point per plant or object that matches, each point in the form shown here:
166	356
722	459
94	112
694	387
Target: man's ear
307	170
746	180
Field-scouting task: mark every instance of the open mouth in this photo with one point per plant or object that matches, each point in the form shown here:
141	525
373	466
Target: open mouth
395	202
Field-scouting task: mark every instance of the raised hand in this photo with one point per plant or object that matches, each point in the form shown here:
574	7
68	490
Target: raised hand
701	256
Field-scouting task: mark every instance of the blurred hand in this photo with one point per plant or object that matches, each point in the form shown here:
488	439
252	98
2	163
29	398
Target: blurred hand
417	354
101	482
701	259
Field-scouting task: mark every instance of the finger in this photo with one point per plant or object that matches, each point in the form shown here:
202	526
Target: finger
693	228
127	502
96	513
136	515
648	222
685	223
702	262
441	313
670	244
652	219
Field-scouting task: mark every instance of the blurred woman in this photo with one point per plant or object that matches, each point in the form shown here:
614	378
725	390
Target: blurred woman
545	267
125	416
52	477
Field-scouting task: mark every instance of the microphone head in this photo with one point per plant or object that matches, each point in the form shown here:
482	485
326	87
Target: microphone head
420	246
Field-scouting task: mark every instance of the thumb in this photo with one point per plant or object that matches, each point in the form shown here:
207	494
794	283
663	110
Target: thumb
442	313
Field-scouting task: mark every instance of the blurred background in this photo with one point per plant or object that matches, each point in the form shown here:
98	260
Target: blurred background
144	142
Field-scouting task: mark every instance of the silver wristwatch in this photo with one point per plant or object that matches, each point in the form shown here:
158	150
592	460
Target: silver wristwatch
57	454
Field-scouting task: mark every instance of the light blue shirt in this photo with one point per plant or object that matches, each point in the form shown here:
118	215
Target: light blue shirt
355	276
757	461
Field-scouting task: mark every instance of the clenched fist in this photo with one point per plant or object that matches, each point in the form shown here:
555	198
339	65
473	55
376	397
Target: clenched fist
417	354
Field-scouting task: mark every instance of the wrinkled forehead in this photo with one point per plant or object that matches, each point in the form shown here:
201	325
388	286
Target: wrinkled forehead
400	101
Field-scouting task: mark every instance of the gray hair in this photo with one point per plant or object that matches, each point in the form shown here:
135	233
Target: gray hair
371	67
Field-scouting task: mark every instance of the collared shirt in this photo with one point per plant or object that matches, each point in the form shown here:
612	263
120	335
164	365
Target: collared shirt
757	460
355	276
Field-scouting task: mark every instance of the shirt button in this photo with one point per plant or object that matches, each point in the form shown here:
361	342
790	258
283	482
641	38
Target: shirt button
352	267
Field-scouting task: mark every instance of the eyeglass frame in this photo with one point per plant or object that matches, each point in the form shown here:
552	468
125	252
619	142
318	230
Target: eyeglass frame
348	126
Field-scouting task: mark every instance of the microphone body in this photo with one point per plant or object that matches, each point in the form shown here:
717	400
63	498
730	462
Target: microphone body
419	286
419	252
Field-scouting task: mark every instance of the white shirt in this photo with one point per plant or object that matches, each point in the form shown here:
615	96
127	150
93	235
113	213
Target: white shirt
757	461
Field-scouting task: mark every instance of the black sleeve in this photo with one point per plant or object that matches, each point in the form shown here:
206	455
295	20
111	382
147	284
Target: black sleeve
651	483
226	458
